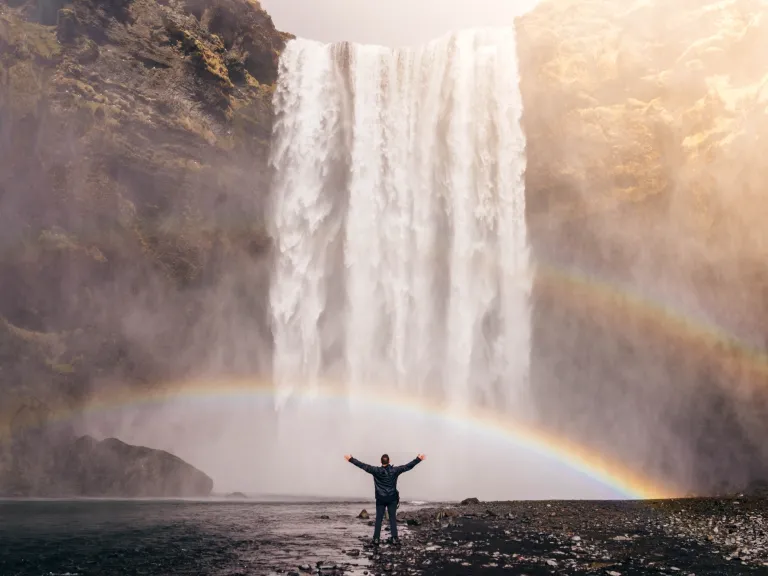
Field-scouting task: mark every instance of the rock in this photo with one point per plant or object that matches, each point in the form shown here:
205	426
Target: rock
484	541
66	26
236	496
137	126
111	468
88	54
363	515
627	141
468	501
413	522
40	459
324	517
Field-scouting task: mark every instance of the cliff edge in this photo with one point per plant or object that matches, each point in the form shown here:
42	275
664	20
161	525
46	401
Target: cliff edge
646	123
134	139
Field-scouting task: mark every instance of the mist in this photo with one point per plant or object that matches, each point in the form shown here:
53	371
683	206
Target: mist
655	353
248	447
140	253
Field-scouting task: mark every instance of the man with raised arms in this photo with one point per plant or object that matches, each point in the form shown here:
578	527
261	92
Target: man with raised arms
385	486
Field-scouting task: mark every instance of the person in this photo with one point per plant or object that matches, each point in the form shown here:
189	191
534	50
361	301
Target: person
385	486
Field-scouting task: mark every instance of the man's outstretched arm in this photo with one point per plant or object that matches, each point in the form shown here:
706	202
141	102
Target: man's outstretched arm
367	467
410	465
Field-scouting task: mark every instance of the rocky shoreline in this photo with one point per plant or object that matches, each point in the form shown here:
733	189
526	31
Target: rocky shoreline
622	538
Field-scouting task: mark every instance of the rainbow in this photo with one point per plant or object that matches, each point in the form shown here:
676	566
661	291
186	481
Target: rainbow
576	457
744	364
577	291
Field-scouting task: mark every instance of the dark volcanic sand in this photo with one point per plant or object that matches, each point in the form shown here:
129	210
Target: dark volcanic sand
168	538
164	538
674	537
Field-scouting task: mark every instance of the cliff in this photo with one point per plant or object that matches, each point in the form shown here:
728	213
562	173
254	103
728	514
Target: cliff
133	174
646	123
40	457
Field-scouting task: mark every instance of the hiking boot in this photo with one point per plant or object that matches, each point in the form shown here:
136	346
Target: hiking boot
375	542
394	541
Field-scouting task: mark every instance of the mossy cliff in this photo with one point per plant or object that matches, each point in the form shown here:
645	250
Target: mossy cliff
133	175
134	139
646	187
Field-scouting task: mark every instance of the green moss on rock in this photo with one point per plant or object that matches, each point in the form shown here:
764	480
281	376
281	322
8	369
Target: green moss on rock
134	146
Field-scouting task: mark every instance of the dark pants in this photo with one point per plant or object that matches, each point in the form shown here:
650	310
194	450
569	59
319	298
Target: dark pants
391	507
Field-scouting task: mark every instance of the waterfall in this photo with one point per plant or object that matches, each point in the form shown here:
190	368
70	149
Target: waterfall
398	219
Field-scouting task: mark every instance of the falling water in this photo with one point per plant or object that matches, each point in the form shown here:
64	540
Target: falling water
399	219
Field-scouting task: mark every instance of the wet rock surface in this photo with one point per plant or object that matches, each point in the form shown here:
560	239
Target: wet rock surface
160	538
687	537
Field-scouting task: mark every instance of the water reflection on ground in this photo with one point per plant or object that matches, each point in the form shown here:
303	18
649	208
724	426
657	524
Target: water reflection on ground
156	538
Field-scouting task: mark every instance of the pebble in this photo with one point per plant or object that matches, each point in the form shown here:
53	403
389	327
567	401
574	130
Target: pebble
515	536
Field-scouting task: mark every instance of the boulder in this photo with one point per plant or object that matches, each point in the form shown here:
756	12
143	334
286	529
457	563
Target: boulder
116	469
363	515
468	501
236	496
66	25
86	467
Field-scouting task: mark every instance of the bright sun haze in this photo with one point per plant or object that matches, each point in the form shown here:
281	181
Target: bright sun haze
391	22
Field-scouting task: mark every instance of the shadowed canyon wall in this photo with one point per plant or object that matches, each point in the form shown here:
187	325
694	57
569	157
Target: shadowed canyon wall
646	126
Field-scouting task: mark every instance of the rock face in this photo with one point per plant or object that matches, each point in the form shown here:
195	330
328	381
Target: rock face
113	468
39	458
133	175
646	123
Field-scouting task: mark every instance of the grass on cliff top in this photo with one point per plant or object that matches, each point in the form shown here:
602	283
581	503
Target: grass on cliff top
28	40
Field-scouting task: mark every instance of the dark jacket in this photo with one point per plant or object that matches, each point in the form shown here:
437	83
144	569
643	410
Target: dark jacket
385	478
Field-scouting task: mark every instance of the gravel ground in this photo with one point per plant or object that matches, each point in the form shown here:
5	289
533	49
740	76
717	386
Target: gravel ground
722	536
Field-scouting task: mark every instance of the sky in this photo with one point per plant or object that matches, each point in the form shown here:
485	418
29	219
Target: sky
389	22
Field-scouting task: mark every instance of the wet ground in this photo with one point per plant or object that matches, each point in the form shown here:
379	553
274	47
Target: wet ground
721	537
676	537
163	538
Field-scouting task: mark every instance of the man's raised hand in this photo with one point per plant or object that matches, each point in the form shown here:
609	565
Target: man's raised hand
347	457
421	456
